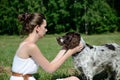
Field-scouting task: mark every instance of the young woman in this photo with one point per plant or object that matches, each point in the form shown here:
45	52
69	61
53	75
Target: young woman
28	56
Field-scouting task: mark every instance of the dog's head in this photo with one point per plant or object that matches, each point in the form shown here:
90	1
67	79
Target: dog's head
69	40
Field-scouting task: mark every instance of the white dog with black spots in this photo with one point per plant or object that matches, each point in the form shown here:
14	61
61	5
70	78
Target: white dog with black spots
92	60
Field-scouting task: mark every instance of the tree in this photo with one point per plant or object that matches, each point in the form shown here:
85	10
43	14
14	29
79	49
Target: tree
85	16
99	17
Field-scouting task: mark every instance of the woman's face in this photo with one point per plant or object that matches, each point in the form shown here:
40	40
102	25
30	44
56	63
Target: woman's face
42	29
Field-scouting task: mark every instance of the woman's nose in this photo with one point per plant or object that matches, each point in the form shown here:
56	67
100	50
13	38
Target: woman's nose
46	30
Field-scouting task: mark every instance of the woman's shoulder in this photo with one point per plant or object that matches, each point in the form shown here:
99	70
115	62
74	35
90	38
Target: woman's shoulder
27	47
28	44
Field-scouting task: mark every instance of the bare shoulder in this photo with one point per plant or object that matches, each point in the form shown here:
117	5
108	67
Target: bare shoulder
32	47
28	44
25	49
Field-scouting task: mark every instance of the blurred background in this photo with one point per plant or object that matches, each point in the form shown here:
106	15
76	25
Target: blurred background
84	16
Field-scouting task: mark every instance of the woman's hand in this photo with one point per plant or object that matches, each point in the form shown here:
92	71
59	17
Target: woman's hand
76	49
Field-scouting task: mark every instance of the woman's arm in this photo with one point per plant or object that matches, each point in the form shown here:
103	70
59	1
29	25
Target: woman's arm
59	55
44	63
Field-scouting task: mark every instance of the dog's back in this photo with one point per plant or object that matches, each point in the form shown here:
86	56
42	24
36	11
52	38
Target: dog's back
94	59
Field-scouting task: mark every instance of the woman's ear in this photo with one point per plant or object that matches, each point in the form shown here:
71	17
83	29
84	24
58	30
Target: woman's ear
37	28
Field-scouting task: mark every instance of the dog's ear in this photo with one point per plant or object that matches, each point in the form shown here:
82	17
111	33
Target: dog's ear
67	40
74	40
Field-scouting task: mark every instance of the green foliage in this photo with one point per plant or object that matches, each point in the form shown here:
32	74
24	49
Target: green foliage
99	17
85	16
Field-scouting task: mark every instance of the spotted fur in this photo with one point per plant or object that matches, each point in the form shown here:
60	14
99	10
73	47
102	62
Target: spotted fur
93	60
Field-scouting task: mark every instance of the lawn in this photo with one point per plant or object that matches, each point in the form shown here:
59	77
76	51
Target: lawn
49	47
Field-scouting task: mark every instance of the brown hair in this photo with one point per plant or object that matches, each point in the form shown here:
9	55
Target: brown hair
29	21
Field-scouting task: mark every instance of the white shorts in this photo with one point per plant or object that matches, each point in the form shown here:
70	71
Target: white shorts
20	78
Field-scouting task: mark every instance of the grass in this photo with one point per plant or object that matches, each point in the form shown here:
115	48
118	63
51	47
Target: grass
49	47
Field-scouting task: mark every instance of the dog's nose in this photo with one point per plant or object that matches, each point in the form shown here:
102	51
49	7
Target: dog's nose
60	40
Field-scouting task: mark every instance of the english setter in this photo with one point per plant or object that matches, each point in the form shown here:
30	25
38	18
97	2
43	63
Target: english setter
92	60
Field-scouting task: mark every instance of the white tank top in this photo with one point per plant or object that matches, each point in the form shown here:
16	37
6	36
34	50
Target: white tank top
24	66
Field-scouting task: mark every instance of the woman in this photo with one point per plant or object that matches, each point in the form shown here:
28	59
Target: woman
28	56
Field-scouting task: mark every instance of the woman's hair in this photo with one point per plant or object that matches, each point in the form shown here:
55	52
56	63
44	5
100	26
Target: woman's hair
29	21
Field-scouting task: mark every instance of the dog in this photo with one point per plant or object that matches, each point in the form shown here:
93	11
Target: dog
93	60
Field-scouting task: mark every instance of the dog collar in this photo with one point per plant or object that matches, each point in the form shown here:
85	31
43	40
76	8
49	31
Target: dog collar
78	52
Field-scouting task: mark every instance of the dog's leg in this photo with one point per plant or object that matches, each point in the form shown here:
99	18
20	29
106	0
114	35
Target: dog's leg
82	75
118	76
112	75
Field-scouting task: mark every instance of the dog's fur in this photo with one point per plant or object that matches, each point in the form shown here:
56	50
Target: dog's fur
92	60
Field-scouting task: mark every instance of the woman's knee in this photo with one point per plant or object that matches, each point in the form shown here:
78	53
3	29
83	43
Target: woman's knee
75	78
71	78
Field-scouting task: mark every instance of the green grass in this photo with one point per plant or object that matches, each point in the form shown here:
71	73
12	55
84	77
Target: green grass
50	48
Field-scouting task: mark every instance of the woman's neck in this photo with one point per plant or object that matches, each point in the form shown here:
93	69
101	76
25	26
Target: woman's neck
32	38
